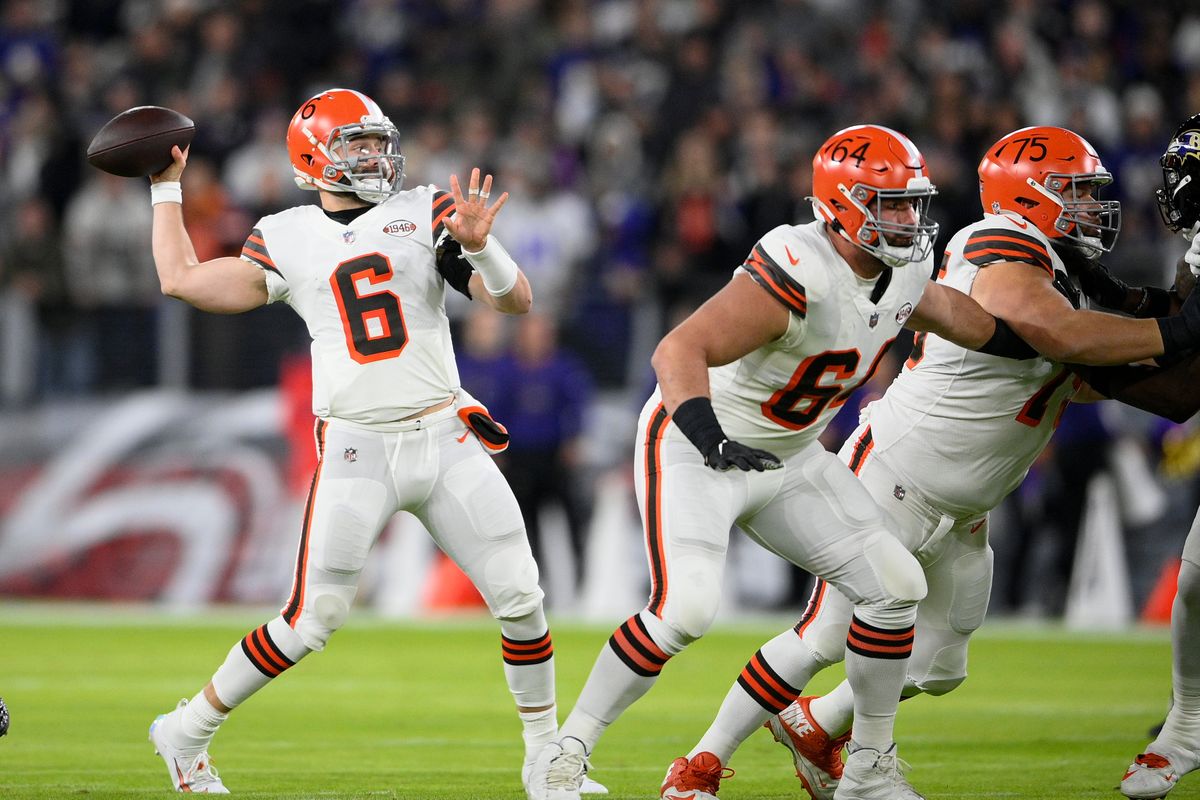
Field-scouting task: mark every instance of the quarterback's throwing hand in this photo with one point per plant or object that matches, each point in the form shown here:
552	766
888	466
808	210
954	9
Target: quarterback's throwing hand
728	455
173	170
472	219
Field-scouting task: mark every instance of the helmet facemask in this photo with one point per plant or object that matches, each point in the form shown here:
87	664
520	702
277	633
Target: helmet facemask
894	243
1179	197
1089	224
373	174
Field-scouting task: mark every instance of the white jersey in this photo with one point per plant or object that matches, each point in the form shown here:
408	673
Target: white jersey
781	396
373	300
960	427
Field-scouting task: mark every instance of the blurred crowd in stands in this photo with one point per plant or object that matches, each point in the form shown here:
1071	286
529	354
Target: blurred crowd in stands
646	144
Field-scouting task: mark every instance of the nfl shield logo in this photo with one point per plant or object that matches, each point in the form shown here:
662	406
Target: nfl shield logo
348	237
874	319
898	492
350	455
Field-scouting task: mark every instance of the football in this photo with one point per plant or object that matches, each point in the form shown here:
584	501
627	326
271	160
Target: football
138	142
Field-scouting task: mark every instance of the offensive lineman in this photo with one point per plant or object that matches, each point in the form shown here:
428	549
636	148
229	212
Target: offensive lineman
746	385
957	431
366	269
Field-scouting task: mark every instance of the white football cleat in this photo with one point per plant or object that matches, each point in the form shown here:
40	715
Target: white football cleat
559	771
590	786
190	771
1152	775
872	775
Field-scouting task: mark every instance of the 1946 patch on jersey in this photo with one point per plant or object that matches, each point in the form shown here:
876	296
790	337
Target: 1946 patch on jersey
399	227
904	313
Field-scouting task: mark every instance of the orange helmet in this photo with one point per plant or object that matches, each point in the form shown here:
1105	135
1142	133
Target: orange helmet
1038	173
324	145
854	172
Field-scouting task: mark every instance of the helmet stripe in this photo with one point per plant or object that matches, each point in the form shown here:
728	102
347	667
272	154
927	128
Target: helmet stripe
372	108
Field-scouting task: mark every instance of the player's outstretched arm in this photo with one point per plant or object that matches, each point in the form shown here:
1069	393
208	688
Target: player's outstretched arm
1172	392
1024	296
497	281
222	285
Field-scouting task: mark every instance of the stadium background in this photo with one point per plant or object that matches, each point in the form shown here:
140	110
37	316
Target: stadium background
149	452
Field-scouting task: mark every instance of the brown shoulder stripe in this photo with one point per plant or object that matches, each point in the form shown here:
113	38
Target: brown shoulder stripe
767	273
1000	244
255	249
443	206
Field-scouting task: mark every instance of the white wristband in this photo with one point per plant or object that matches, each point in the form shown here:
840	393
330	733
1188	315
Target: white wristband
166	192
495	266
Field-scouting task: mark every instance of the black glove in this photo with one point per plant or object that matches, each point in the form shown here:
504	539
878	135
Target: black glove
726	455
697	421
1181	331
1111	292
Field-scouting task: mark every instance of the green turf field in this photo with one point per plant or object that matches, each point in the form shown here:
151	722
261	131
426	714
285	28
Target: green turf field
420	710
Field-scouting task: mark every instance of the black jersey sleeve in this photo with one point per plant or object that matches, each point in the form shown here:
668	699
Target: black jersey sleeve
451	264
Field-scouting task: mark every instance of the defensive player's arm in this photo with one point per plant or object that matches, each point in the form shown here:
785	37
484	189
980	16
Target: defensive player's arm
1024	296
737	320
222	285
1172	392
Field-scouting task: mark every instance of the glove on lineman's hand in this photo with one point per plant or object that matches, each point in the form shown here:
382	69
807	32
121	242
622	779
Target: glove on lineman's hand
726	455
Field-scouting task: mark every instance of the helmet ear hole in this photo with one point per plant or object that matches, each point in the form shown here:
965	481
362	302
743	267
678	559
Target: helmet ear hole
307	159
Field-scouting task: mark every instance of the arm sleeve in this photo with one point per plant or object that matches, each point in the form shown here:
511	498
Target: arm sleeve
451	264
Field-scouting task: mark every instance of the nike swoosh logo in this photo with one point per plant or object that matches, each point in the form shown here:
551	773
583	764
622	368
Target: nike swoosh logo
791	257
978	525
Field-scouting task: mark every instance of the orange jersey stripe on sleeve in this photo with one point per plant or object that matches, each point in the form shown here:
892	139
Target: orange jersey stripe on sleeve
255	249
768	274
1000	244
443	206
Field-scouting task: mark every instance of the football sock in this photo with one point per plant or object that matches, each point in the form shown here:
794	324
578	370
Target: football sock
265	652
876	667
528	654
770	681
834	712
1182	728
197	724
538	729
624	671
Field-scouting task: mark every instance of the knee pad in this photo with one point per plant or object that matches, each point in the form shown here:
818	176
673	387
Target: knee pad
940	686
827	643
693	597
938	671
1189	584
510	578
323	614
668	638
900	574
972	589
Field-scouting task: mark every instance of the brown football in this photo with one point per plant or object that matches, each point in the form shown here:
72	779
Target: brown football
138	142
